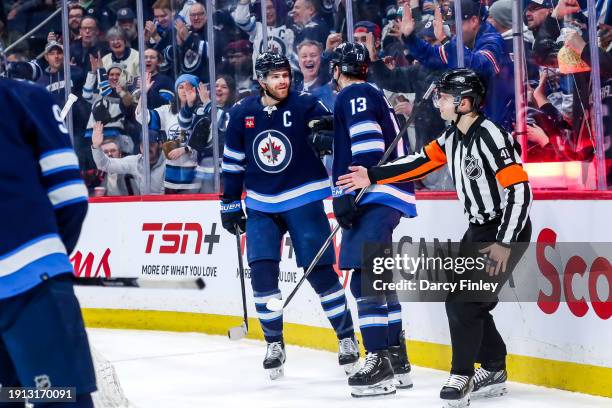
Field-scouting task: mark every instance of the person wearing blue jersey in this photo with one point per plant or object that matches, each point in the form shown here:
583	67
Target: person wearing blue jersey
364	126
42	336
268	150
483	50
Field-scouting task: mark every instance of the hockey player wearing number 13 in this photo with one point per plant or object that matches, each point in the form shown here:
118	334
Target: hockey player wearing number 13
267	149
494	189
364	126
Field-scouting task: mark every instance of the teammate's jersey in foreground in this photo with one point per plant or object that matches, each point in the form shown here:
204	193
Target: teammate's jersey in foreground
364	126
485	165
44	200
267	149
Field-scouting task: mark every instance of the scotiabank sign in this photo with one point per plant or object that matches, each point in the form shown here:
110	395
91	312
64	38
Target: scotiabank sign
575	273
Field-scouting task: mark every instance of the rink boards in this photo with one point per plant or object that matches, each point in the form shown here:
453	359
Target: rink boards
551	342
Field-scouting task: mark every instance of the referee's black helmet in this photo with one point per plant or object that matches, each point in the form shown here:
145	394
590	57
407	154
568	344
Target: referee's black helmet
463	82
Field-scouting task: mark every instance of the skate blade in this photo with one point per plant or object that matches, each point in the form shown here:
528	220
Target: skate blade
351	368
276	373
460	403
402	381
490	391
382	388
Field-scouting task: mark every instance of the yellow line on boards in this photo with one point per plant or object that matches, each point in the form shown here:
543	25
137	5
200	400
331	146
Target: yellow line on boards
588	379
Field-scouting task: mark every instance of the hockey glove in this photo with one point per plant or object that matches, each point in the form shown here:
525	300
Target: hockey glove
345	210
232	216
322	142
321	123
322	134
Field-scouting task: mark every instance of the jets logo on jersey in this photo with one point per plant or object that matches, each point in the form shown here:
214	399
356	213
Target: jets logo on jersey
249	122
272	151
471	168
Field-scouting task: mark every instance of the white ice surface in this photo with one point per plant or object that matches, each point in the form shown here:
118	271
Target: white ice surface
176	370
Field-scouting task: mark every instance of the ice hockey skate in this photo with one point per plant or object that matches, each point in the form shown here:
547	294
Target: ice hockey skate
488	384
348	355
374	378
400	363
456	391
275	360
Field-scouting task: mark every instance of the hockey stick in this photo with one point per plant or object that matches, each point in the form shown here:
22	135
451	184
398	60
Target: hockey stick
276	304
240	332
72	98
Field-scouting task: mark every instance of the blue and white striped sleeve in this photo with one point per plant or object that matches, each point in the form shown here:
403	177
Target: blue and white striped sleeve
59	167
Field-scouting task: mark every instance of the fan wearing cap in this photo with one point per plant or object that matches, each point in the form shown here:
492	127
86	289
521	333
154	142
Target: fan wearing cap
182	159
132	164
494	190
500	17
237	55
126	20
483	52
545	21
52	77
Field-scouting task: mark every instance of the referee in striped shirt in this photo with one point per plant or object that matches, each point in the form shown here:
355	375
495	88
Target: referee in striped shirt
494	189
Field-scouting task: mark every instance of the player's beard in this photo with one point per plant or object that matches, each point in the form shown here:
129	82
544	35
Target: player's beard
276	95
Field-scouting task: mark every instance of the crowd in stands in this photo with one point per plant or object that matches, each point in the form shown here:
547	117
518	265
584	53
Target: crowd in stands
410	42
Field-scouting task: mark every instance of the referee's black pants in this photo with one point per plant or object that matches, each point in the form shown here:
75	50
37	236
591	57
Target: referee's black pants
474	337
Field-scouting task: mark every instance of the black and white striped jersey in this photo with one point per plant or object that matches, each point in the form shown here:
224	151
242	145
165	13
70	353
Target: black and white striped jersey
485	165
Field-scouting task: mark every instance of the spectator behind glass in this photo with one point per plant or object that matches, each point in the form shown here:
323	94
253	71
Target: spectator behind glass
113	184
121	54
87	44
110	104
181	159
75	16
484	53
307	23
133	164
158	33
197	122
52	77
192	44
126	20
315	76
237	64
280	37
161	91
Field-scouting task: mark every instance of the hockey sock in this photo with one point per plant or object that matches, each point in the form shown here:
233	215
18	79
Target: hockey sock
395	319
372	317
324	281
264	280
